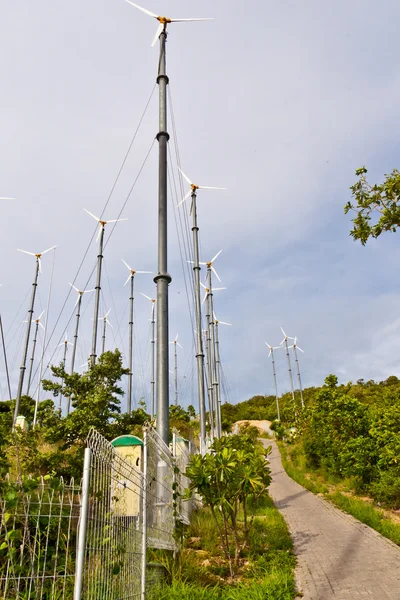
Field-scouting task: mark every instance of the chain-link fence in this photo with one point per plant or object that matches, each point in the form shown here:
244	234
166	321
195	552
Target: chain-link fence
38	538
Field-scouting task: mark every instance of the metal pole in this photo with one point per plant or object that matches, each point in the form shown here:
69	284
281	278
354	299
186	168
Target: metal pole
290	374
81	548
97	297
103	343
78	316
64	363
218	366
144	517
275	383
28	331
176	374
129	407
298	376
5	357
32	357
209	372
163	279
153	355
213	354
199	338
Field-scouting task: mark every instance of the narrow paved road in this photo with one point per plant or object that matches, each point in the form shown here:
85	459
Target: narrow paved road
338	557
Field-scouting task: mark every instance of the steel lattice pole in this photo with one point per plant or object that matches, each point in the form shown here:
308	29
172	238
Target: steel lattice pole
298	376
32	357
130	375
163	279
97	297
211	326
25	353
199	337
275	383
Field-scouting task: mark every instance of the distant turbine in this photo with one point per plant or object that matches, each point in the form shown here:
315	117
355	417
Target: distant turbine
65	343
295	348
100	238
284	341
28	328
153	346
78	304
217	358
176	343
38	323
271	353
131	278
105	323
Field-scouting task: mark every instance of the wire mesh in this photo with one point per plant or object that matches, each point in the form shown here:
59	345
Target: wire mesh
114	536
38	538
182	450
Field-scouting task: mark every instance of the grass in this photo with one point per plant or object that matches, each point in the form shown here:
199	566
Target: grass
202	572
339	492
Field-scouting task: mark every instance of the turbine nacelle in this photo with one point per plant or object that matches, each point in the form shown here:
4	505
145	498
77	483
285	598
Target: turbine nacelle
38	256
194	188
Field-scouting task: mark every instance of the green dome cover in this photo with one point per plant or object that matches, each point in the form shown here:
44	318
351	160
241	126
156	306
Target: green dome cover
127	440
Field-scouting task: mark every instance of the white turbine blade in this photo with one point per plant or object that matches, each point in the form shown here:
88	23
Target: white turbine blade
283	341
185	176
159	31
40	325
75	288
77	300
107	313
148	297
150	272
216	256
206	187
218	289
202	285
185	198
277	348
215	273
48	250
26	252
266	343
148	12
194	19
129	278
41	314
223	323
297	347
178	344
200	263
126	264
205	297
283	333
176	337
116	220
92	215
192	262
108	322
5	198
87	291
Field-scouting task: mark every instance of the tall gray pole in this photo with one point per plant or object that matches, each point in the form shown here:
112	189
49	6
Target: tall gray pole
5	358
32	356
25	353
129	407
275	383
97	296
153	356
298	375
103	342
162	279
82	526
176	373
218	371
290	374
199	337
211	327
209	372
78	316
64	363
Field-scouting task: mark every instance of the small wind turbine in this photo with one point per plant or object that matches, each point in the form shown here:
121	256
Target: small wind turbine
78	304
208	291
153	348
28	327
105	323
295	348
65	343
38	324
271	354
285	341
217	357
100	239
131	278
176	343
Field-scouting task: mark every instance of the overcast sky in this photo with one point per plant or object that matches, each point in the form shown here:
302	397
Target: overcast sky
278	102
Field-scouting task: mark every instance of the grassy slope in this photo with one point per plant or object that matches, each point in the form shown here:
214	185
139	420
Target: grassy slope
339	493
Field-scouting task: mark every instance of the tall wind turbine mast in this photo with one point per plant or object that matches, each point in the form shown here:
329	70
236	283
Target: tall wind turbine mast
162	279
65	343
78	305
100	239
35	335
131	278
285	341
196	270
28	327
218	360
271	354
176	343
105	323
295	348
153	354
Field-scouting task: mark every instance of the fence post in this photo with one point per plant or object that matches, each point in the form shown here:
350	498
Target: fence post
144	516
80	557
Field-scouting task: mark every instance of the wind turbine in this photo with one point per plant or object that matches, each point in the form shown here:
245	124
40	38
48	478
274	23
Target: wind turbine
176	343
28	327
217	359
285	341
65	343
100	238
271	353
78	304
196	270
162	279
295	348
131	278
105	323
153	344
38	323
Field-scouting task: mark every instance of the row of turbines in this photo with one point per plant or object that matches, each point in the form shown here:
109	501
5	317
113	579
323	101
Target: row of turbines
294	347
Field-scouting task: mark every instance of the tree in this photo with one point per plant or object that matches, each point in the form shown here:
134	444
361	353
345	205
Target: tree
377	206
